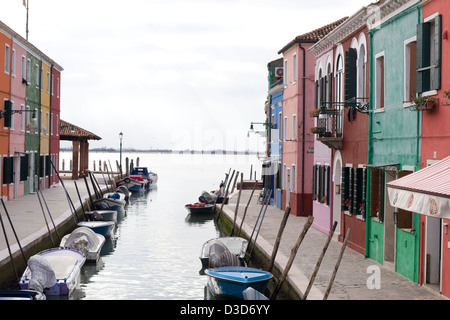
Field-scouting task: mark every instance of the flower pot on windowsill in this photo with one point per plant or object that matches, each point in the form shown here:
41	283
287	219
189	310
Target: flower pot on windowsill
424	103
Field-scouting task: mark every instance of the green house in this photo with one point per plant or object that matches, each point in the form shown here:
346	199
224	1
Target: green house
392	236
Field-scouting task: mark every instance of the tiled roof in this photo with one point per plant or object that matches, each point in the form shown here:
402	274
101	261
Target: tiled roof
71	132
315	35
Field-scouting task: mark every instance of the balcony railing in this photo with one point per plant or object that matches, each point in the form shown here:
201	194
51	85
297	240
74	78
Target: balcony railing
329	122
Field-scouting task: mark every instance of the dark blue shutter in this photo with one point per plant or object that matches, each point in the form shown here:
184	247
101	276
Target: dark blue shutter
350	74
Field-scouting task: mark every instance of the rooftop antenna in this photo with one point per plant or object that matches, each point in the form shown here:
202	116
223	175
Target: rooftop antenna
26	5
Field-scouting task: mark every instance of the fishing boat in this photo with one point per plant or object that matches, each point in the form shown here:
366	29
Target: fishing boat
200	208
233	280
236	245
105	228
21	295
85	240
54	271
105	215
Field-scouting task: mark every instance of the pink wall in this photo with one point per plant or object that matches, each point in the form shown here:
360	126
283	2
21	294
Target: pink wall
293	148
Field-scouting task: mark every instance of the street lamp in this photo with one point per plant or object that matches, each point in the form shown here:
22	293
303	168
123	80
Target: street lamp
120	137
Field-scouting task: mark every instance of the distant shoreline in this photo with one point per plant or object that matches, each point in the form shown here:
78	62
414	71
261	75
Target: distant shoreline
128	150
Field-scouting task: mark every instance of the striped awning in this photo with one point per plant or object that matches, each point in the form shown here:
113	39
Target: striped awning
426	191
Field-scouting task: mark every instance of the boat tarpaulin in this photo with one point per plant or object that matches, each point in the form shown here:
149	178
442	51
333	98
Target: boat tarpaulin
426	191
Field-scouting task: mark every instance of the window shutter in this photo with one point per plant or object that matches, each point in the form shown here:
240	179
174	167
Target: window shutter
364	192
323	90
350	74
423	57
345	188
23	168
321	193
329	87
316	94
437	52
314	181
328	177
7	114
8	170
41	166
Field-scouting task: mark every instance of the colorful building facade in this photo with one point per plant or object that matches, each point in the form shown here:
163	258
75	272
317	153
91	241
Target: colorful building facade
26	131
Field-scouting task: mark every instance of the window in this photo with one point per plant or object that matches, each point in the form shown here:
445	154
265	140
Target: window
7	59
27	125
429	36
379	81
280	127
36	75
13	63
362	72
57	125
321	183
285	73
339	92
24	68
28	71
46	123
350	74
294	127
294	68
22	118
48	82
57	87
53	87
376	193
284	176
353	187
42	79
285	129
410	69
293	178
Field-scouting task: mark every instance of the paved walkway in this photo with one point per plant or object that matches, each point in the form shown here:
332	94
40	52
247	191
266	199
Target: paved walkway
351	279
28	220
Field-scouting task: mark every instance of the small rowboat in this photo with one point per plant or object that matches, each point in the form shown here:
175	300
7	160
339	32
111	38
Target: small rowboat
85	240
200	208
232	281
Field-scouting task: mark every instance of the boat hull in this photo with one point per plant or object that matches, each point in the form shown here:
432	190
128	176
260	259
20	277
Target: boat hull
236	245
105	228
206	209
232	281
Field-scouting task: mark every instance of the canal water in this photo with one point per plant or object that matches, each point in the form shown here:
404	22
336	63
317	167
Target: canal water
154	253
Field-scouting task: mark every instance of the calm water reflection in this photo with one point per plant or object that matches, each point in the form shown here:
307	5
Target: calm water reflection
154	253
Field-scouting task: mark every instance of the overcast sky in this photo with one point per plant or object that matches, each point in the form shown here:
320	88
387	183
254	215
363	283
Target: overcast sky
168	73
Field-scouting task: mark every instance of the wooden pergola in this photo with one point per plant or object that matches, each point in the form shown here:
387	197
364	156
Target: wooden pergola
80	146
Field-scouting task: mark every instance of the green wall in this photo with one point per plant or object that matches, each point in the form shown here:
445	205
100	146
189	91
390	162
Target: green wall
394	134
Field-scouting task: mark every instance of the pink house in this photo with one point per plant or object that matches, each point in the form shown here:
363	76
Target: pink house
298	101
17	130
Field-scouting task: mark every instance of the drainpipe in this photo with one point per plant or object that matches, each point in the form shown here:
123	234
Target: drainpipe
303	131
370	140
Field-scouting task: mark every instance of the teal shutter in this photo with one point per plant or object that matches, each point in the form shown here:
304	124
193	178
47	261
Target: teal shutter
423	57
350	74
437	52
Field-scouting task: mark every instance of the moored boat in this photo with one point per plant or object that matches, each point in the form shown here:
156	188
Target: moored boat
106	215
232	281
133	185
200	208
149	178
105	228
85	240
113	201
54	271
